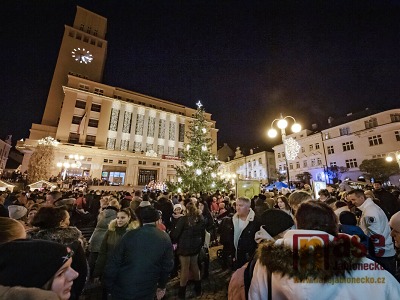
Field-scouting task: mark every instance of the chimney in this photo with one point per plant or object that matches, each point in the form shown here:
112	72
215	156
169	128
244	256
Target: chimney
251	151
330	121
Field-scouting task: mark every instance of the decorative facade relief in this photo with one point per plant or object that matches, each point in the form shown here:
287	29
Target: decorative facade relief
172	131
114	119
111	143
160	149
161	129
124	144
127	122
137	146
139	124
181	132
171	150
151	126
149	147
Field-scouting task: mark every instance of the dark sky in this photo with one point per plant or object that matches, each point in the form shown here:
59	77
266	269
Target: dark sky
247	61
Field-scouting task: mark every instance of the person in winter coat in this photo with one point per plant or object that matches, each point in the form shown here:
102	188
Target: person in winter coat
52	223
141	263
103	220
189	234
311	262
36	269
167	208
237	234
125	221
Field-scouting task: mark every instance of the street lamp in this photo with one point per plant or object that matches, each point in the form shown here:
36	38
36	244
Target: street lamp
291	146
74	163
396	155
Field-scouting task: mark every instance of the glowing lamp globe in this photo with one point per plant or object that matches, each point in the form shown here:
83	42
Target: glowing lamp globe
296	127
59	164
282	123
272	133
389	158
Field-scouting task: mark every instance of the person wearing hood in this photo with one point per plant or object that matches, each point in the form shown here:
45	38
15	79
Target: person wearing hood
103	220
237	234
315	262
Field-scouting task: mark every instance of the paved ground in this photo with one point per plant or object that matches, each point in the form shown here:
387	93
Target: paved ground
215	287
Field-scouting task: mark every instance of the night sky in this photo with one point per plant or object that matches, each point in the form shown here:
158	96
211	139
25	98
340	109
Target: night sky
246	61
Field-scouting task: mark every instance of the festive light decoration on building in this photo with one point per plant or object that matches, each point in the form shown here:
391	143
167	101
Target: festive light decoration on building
48	141
292	148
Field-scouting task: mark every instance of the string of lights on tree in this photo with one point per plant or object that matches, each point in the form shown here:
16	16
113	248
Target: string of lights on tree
199	169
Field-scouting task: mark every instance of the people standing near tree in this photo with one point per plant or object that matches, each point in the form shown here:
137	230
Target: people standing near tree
375	225
141	263
125	221
189	234
237	233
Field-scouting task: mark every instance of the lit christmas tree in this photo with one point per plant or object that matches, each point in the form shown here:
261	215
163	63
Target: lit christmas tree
199	169
42	159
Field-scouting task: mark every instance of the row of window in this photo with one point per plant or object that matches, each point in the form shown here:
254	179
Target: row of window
86	39
371	123
350	163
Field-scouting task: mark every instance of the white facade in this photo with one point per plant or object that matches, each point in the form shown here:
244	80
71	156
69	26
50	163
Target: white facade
344	145
257	166
5	147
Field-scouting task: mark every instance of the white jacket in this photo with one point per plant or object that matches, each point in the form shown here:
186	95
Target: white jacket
359	284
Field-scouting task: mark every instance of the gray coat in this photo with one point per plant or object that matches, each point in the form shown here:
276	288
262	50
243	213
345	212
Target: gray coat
103	220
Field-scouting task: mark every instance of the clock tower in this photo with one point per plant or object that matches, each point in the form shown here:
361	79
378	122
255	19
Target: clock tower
83	54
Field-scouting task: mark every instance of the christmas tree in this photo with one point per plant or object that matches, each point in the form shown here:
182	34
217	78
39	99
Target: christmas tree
39	167
199	169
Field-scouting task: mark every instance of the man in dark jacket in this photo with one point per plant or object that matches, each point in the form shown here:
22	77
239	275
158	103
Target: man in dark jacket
140	265
387	200
237	233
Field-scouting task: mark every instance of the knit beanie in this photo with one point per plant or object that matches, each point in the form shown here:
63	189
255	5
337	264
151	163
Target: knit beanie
149	214
31	263
178	205
275	221
16	212
347	218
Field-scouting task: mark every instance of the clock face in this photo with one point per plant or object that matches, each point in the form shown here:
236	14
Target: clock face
82	55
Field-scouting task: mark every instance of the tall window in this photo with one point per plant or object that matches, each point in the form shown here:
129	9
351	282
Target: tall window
297	165
95	107
160	149
303	150
348	146
375	140
313	162
73	138
330	149
344	131
290	166
351	163
137	146
304	164
90	140
311	147
93	123
76	120
371	123
171	150
279	155
316	146
397	134
80	104
319	161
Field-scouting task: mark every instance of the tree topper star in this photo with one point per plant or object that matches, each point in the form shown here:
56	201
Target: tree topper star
199	105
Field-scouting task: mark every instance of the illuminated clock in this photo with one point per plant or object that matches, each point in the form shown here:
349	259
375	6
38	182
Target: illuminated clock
82	55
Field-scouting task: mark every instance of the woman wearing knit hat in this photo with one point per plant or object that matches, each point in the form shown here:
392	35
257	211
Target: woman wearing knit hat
25	277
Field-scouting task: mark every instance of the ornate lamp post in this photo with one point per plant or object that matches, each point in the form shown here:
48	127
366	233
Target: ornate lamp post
291	146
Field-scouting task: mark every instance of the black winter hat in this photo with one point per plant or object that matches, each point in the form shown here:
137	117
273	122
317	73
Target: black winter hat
149	214
275	221
347	218
31	263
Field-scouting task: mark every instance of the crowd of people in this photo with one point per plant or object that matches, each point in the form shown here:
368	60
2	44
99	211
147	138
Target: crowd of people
143	239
